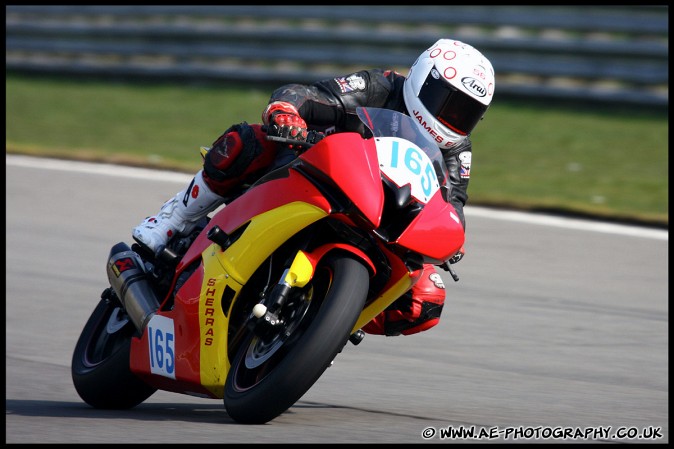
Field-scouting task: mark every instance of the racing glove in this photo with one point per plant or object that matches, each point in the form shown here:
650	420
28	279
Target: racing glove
283	119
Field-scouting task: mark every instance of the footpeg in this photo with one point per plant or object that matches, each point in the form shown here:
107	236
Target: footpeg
357	337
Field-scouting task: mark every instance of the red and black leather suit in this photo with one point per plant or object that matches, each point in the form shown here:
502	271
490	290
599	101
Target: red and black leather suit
242	154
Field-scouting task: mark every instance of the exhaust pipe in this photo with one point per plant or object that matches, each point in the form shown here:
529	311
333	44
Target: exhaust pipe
126	272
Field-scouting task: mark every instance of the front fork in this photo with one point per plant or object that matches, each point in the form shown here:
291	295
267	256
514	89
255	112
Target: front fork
266	312
299	274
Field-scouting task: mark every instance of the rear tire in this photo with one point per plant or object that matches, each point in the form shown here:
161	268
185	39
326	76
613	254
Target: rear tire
100	364
269	375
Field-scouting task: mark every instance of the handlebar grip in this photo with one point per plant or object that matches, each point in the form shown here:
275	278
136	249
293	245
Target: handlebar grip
313	137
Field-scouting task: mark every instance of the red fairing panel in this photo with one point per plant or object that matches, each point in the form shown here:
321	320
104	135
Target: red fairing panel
436	233
259	199
185	315
352	163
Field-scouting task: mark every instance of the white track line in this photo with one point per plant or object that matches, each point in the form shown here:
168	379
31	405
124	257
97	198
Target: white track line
475	211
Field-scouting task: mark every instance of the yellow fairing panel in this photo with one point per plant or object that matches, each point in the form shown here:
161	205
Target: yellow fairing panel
213	360
265	233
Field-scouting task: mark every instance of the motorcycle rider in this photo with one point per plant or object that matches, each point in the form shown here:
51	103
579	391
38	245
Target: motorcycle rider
447	91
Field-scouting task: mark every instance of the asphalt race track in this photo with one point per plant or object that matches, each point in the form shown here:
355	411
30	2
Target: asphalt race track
556	332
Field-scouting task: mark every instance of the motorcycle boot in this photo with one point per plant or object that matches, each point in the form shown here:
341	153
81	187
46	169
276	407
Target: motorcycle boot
178	215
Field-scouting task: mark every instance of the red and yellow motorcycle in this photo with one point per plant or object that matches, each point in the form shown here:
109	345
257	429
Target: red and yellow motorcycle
255	304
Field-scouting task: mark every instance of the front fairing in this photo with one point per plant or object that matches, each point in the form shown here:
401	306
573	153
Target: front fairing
412	164
437	233
350	165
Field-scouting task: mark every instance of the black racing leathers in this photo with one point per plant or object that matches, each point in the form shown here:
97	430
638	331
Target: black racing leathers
330	106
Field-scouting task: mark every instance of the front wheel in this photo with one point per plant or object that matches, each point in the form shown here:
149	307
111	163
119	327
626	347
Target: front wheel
270	373
100	365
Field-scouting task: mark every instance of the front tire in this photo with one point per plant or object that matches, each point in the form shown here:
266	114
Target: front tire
100	364
268	375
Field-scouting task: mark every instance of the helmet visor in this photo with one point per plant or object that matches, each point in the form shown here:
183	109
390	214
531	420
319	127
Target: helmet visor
453	108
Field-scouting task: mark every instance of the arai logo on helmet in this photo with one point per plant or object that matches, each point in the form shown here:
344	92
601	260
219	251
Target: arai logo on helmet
474	86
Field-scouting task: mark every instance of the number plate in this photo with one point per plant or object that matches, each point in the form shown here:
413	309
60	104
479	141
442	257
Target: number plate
405	163
161	338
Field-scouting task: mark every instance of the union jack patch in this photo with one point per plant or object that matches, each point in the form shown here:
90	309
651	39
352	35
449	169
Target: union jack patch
350	83
465	160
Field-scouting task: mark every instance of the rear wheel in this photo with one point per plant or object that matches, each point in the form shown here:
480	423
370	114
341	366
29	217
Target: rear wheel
100	364
270	373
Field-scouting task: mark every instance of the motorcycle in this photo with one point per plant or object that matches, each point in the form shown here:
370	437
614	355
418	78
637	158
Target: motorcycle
254	305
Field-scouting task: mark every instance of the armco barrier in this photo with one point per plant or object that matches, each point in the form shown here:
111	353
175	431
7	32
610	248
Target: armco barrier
612	54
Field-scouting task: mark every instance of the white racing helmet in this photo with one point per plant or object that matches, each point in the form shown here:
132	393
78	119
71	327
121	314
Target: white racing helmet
448	90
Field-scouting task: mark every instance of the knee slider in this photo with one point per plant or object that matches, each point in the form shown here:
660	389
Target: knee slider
417	310
419	315
232	153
